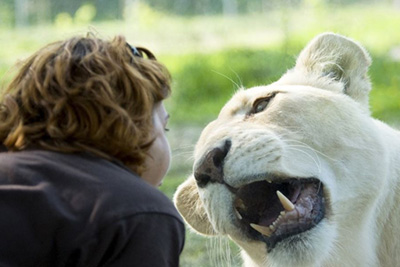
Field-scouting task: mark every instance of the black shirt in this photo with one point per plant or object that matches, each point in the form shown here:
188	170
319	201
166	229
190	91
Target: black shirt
79	210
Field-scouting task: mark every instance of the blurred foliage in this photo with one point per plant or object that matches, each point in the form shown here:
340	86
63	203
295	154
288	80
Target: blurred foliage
212	7
204	82
385	94
63	20
39	11
6	13
210	57
7	17
85	14
143	14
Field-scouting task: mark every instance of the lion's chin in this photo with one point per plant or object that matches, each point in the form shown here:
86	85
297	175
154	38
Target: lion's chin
279	209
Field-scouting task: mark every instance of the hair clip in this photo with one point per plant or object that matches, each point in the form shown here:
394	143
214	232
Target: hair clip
134	51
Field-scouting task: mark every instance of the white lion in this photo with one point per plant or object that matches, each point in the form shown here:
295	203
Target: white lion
297	173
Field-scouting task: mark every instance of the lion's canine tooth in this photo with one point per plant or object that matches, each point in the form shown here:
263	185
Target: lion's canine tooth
287	205
261	229
238	214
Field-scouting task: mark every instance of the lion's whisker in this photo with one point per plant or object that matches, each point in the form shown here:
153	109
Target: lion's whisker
182	153
238	77
317	163
230	79
309	147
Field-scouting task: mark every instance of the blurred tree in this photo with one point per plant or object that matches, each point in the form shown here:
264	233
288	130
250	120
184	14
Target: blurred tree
107	9
40	11
21	13
229	7
25	12
59	6
7	17
42	14
85	14
349	2
185	7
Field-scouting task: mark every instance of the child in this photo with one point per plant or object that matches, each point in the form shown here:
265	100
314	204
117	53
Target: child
82	126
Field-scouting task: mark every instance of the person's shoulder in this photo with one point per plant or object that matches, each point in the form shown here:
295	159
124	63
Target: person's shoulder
139	197
119	190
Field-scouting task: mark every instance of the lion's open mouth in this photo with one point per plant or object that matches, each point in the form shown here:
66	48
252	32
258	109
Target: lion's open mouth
273	211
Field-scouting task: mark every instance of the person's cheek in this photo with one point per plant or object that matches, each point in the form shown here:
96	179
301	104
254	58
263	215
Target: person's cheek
167	154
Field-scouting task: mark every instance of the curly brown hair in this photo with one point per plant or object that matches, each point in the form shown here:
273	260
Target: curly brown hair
85	94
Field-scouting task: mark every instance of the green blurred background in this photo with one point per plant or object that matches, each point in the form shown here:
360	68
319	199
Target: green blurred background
212	47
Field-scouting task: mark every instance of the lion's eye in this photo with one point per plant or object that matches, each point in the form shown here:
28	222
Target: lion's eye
260	104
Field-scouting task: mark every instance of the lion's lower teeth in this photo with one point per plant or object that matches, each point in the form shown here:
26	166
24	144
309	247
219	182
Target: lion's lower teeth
238	214
267	231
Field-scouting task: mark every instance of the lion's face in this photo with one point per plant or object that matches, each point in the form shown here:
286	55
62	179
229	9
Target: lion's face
287	169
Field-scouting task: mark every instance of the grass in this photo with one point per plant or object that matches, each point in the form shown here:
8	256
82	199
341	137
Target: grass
210	56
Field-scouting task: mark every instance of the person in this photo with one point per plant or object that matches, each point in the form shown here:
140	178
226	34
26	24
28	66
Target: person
82	130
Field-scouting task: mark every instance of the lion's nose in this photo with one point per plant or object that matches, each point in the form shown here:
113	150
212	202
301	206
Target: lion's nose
211	169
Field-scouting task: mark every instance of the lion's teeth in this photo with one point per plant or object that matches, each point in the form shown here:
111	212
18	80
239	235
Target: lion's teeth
262	229
287	205
238	214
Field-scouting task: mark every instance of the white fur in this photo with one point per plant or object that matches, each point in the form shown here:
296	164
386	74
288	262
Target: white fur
319	125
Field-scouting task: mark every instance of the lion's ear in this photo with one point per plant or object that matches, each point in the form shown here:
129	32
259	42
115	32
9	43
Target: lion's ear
189	205
338	59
